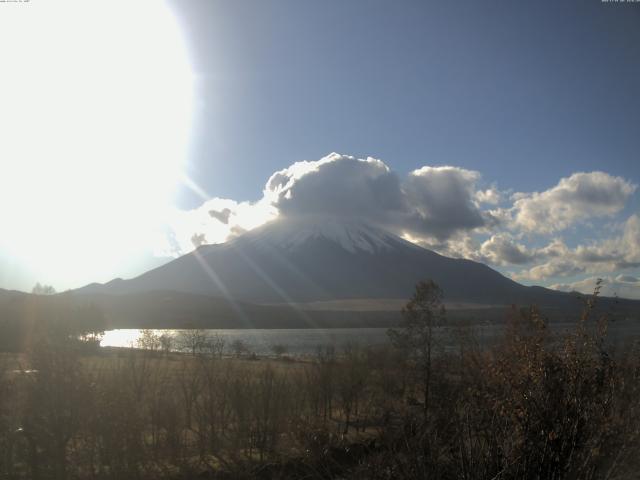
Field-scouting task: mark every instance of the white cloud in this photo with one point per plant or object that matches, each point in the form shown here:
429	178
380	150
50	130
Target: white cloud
461	245
553	268
502	249
338	185
432	204
627	279
443	199
215	221
577	198
554	249
490	196
621	286
618	252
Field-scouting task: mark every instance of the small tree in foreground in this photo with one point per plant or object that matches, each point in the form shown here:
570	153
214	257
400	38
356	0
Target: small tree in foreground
416	336
149	340
193	341
166	342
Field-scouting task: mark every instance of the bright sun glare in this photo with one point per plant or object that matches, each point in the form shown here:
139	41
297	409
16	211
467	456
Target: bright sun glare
95	110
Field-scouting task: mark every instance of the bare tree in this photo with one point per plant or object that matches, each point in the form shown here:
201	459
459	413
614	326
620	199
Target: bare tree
322	378
214	345
351	382
213	408
190	384
166	342
269	409
149	340
421	315
193	341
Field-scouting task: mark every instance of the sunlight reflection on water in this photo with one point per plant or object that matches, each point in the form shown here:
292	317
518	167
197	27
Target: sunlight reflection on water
306	341
260	341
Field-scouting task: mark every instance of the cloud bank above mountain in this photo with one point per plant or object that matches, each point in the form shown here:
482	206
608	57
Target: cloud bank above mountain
529	235
431	202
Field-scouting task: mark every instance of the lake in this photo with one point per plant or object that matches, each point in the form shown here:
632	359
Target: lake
259	341
300	342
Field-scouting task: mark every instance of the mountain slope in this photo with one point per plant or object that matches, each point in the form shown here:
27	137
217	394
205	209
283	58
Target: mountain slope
290	261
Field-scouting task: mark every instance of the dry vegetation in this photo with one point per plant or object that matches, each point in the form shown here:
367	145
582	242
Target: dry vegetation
538	405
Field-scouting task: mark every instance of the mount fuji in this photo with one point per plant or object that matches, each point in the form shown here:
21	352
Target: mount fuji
293	261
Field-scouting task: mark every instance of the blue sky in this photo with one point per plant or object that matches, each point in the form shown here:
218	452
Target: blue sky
524	92
515	98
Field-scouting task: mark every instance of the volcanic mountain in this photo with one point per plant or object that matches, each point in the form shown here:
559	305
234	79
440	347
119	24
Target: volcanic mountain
299	261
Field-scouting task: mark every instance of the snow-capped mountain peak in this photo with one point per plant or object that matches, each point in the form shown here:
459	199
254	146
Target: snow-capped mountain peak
352	235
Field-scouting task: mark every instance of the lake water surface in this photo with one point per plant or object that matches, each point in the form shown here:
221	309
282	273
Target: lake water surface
305	341
260	341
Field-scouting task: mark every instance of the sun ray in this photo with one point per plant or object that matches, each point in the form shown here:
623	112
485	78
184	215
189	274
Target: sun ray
194	187
242	316
304	316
